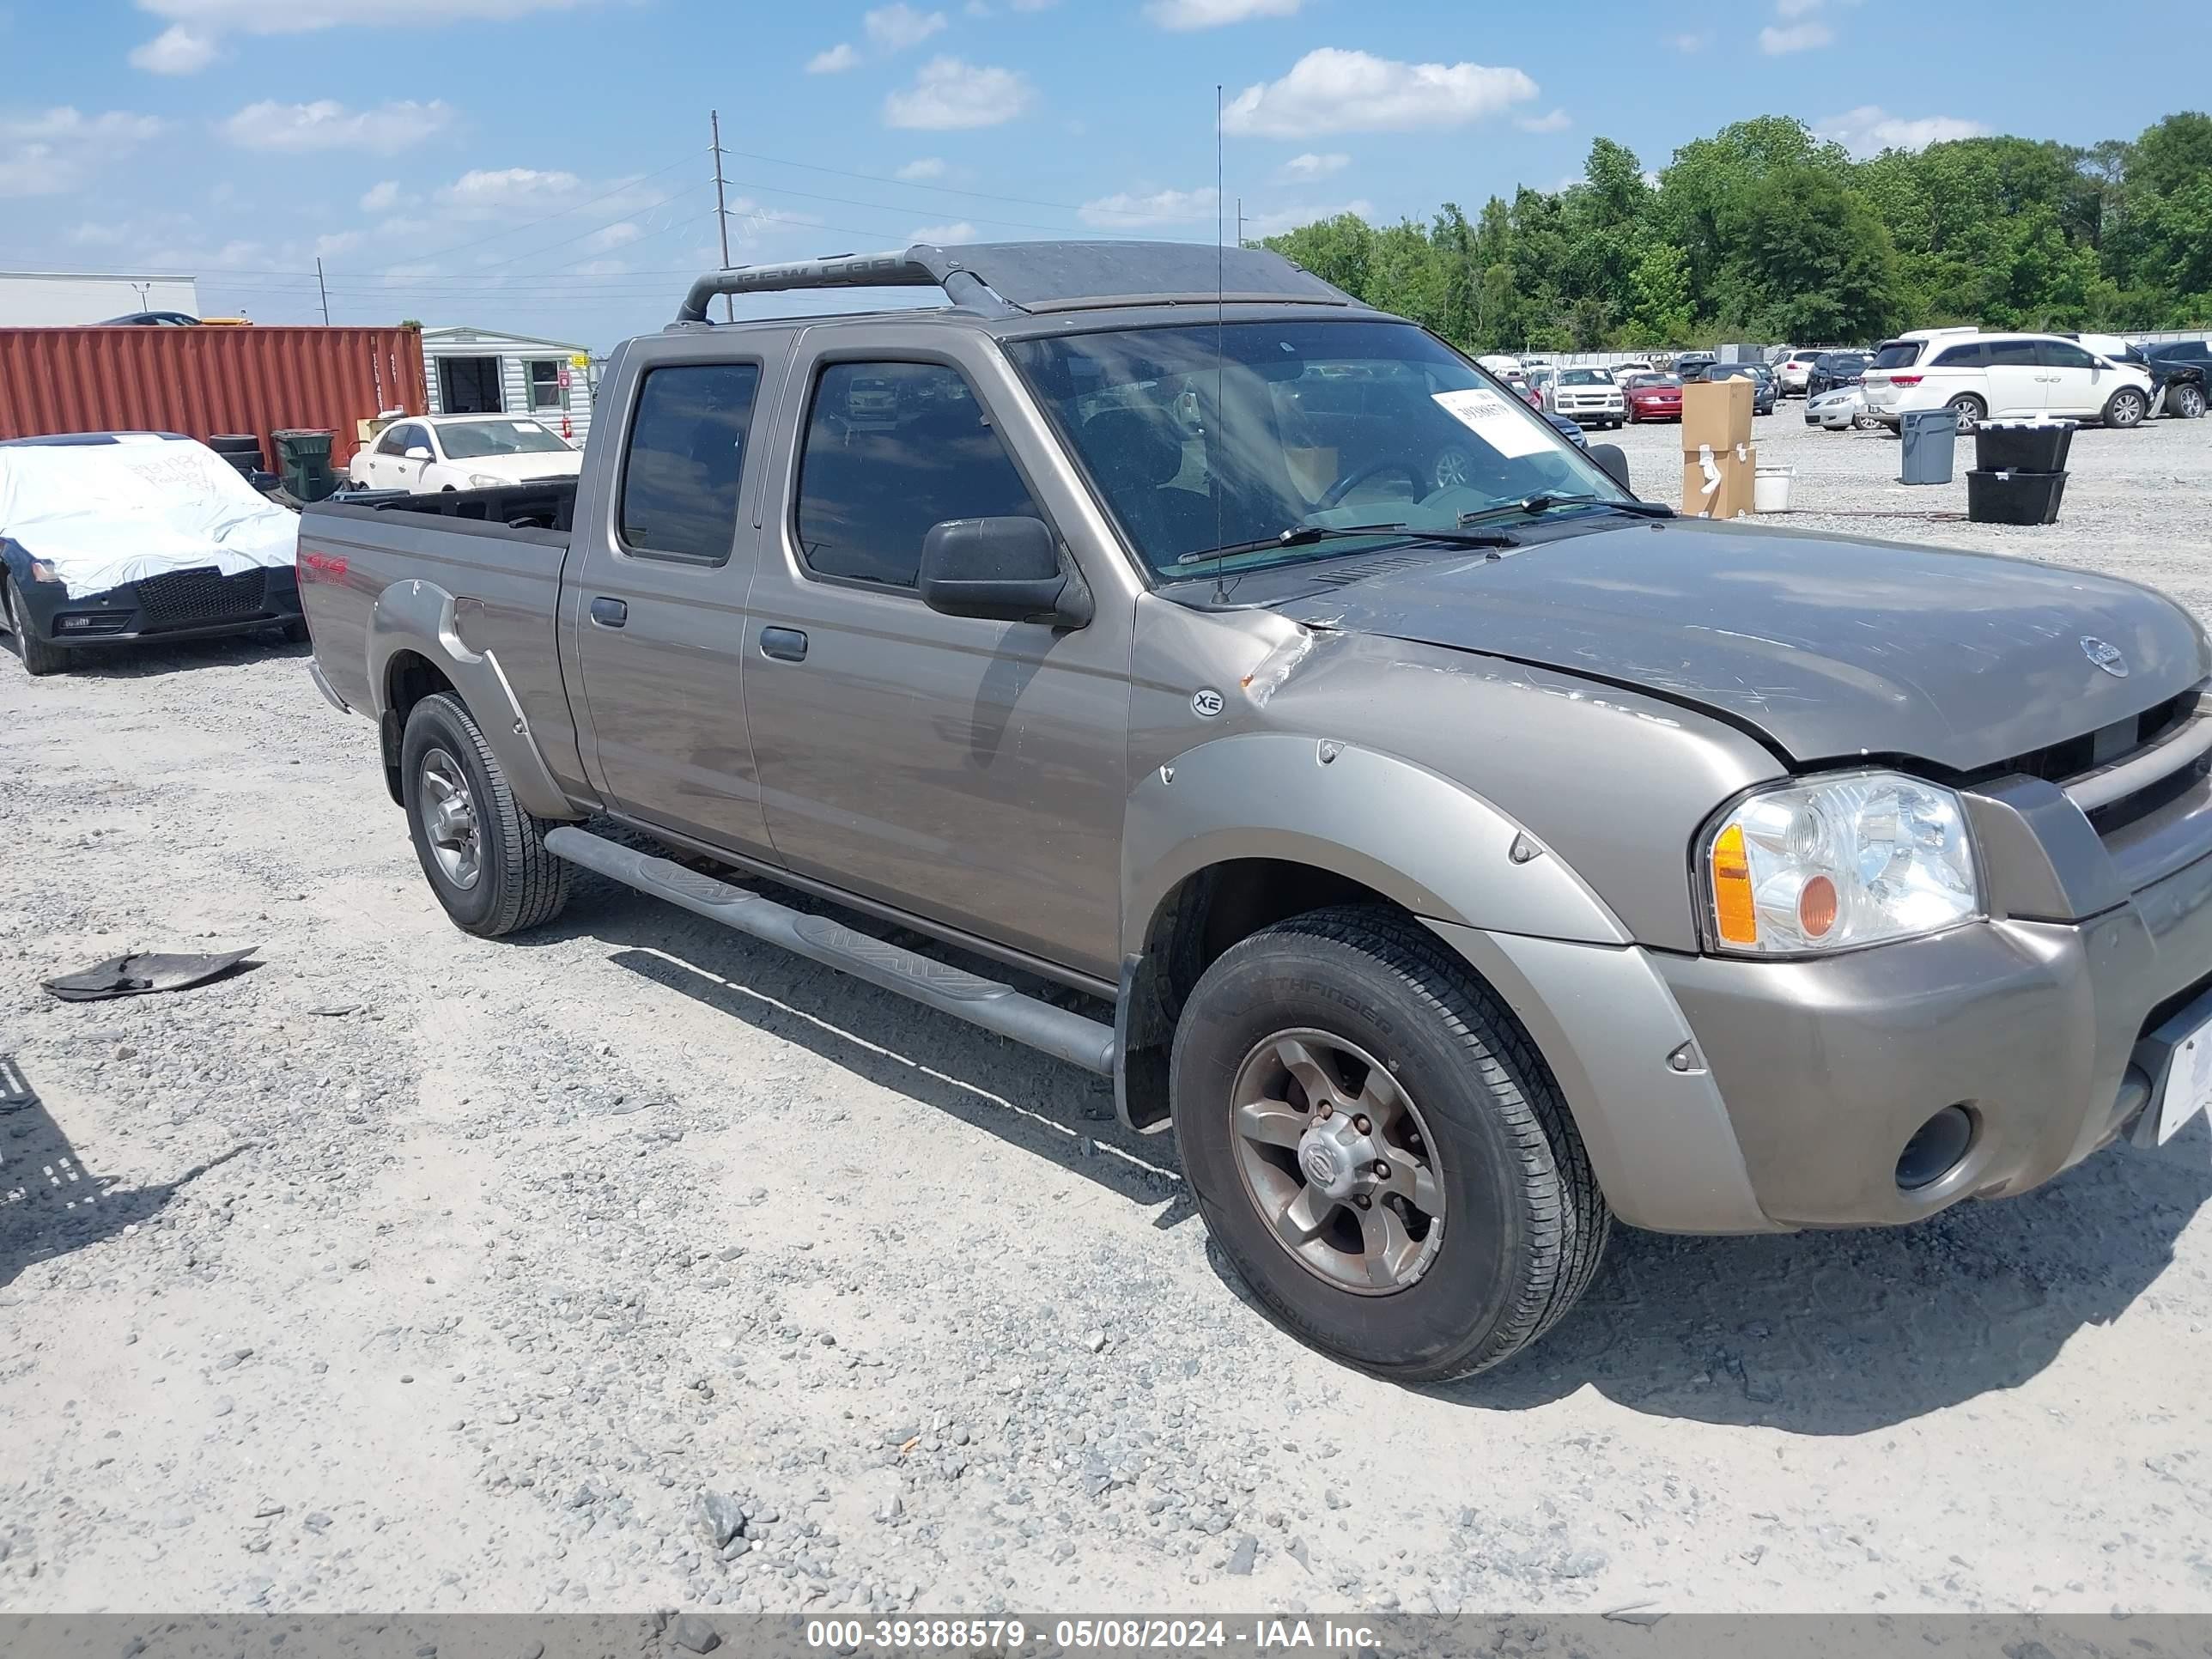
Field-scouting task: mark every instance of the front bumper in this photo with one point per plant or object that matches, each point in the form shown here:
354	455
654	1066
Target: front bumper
1804	1080
181	605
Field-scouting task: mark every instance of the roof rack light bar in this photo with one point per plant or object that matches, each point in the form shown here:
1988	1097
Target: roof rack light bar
919	266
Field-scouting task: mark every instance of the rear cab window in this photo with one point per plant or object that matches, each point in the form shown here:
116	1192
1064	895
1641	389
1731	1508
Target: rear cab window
686	453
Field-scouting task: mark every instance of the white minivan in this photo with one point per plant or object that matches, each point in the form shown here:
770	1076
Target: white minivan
2002	377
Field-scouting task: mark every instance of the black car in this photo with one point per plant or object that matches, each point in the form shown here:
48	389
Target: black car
151	320
1832	369
1764	390
2180	369
1692	366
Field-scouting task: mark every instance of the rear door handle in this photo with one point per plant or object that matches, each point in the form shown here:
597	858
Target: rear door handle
784	644
609	613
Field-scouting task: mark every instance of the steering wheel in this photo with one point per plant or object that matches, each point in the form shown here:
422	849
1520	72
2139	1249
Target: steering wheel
1336	492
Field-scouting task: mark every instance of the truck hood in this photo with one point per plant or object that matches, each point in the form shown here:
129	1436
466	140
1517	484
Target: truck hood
1827	646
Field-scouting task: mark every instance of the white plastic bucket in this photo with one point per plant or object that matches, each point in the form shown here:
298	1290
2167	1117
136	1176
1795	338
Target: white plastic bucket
1770	489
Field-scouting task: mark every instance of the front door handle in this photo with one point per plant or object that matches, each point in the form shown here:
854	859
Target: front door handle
608	613
784	644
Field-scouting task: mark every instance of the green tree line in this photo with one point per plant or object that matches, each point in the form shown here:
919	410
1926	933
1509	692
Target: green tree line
1765	231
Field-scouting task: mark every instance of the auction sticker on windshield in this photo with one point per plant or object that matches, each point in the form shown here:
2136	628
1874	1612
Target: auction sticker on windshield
1496	421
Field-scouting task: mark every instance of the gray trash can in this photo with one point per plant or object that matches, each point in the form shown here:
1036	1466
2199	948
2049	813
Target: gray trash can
1930	437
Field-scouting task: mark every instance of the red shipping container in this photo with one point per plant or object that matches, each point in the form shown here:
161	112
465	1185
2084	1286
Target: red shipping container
200	381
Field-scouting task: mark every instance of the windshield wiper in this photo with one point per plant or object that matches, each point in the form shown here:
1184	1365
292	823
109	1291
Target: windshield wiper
1304	535
1543	502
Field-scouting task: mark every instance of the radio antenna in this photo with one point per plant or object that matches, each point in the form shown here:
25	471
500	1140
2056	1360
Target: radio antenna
1220	305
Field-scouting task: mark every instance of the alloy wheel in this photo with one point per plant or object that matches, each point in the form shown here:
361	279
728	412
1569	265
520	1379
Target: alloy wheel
1338	1161
449	818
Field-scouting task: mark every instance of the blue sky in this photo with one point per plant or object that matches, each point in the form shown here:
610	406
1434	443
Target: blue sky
543	165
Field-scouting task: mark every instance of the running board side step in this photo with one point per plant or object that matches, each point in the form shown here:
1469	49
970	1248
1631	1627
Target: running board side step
949	990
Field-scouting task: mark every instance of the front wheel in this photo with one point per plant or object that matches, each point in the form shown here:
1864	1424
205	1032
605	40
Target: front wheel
2126	408
41	657
1379	1148
483	855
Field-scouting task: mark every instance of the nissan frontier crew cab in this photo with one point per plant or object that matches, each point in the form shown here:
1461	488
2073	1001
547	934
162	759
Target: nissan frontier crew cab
1458	852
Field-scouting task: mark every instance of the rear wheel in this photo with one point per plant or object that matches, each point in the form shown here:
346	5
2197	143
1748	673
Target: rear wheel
41	657
1377	1147
1971	411
2187	402
484	856
2126	408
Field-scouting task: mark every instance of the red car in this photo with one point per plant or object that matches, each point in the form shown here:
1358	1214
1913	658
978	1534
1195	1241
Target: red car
1654	397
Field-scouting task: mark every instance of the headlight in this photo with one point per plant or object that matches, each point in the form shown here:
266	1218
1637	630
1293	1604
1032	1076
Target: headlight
1835	863
485	481
43	571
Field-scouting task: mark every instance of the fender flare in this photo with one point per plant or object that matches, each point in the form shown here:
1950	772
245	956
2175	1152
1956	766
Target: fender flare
420	616
1434	845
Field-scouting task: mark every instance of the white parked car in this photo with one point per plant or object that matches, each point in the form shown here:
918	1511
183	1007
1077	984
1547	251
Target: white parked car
427	453
1838	411
1588	396
1791	369
2003	377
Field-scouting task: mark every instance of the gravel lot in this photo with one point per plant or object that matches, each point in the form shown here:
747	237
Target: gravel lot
409	1271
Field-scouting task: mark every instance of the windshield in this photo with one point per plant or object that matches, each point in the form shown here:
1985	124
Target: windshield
1292	425
1643	380
476	441
1585	377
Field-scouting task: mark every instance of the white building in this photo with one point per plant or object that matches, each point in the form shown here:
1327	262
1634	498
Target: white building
480	371
51	299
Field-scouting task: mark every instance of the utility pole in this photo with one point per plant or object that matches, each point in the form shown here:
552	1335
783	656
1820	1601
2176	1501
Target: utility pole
324	291
1240	221
721	213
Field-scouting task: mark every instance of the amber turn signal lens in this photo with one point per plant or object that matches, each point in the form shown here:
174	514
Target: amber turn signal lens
1738	918
1816	907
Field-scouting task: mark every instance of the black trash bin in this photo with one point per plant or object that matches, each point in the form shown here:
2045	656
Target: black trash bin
1994	498
304	459
2022	446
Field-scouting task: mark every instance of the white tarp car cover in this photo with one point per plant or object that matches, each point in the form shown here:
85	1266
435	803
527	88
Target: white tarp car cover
105	513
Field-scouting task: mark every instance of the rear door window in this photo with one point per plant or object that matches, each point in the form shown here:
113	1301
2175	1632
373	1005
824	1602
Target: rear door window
1962	356
891	450
685	456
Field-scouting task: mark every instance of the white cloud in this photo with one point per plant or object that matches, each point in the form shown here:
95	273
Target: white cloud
1558	121
1310	166
612	236
601	268
59	150
927	167
1035	5
329	125
897	26
835	61
1332	90
209	21
344	241
1213	14
503	190
1689	42
1283	219
948	94
1798	36
1869	130
1796	7
175	50
955	232
1127	211
381	197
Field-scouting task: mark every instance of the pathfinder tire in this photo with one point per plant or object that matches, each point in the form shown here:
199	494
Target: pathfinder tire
483	855
1377	1147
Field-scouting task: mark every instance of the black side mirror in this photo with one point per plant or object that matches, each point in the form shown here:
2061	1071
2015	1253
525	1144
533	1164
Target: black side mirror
1613	462
1001	570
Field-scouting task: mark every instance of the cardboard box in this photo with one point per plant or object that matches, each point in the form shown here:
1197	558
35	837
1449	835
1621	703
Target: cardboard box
1717	483
1716	414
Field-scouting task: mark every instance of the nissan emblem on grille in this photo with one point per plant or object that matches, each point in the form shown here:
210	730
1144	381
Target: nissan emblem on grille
2106	656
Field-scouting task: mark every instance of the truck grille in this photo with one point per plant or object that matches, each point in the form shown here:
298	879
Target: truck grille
2127	770
193	599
